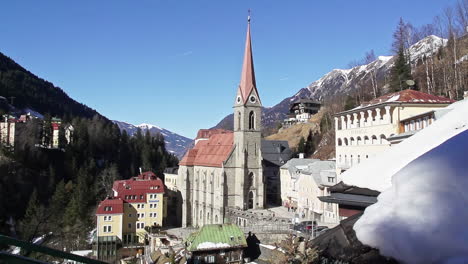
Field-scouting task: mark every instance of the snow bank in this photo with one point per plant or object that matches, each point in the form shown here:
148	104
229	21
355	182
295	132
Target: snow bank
376	172
422	216
209	245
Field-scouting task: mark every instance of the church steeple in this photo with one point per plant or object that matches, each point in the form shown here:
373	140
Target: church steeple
247	81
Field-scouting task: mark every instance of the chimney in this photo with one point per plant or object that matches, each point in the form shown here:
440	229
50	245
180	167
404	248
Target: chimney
301	155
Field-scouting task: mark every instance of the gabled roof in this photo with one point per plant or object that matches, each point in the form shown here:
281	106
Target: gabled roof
139	186
213	237
212	152
409	96
110	206
247	82
404	97
206	133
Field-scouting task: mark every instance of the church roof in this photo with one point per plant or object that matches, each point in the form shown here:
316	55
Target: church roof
211	152
247	82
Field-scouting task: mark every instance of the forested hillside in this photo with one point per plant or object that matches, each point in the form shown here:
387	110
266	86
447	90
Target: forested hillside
50	190
30	91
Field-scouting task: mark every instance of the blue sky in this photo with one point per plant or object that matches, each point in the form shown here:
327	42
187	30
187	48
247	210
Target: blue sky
176	64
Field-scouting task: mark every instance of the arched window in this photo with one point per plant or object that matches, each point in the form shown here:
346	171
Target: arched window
358	141
251	179
345	141
352	142
216	219
251	120
351	160
208	216
374	140
239	120
340	142
346	159
251	202
366	140
383	139
358	159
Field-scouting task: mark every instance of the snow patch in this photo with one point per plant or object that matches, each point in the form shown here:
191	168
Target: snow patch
420	216
394	98
148	126
210	245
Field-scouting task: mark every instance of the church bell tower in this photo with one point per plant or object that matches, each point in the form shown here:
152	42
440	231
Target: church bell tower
249	186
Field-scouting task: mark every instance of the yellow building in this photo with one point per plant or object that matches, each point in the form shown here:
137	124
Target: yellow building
121	220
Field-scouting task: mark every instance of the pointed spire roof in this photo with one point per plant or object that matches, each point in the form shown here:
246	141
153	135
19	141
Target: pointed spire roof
247	82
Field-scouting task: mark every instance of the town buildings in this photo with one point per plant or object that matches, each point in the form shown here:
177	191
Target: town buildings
216	243
302	182
51	135
300	111
123	218
226	169
373	127
364	131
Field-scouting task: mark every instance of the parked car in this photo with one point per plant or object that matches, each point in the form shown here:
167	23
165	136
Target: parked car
305	226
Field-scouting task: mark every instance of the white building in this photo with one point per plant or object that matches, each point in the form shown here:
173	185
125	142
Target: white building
302	182
364	131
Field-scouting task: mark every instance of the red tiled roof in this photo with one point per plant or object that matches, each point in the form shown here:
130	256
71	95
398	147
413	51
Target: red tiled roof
138	187
409	96
110	206
206	133
212	152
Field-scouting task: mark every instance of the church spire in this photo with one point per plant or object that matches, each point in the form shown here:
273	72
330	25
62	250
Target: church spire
247	82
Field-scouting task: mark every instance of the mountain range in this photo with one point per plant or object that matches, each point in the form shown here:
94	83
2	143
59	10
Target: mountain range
175	143
342	81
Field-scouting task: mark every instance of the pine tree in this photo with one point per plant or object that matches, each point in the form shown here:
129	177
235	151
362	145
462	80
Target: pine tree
34	219
401	71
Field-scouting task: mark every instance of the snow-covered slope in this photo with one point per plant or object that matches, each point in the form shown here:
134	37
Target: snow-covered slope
175	143
342	81
421	214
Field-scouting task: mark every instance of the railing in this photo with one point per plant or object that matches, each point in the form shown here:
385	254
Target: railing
273	228
11	258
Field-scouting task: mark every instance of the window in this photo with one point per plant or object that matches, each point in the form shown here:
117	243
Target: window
210	259
142	205
331	179
251	120
140	225
107	218
134	197
358	158
141	197
140	215
129	225
107	229
108	208
129	215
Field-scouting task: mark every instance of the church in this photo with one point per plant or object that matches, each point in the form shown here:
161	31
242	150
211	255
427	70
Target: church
232	169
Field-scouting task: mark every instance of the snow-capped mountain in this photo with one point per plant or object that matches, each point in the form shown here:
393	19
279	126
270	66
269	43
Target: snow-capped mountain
175	143
342	81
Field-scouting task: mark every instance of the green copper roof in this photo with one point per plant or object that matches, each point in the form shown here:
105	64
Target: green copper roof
211	237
